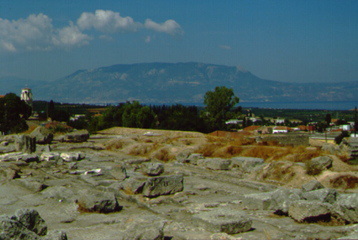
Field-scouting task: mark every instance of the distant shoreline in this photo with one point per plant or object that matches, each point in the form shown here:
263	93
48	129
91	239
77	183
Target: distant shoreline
344	105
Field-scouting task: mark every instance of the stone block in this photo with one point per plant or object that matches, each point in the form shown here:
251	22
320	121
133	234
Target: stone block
163	185
258	201
98	201
310	211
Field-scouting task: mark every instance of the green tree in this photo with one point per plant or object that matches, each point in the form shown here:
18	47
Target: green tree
13	114
137	116
220	106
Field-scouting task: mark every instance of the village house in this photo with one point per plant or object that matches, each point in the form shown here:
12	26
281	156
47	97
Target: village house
281	129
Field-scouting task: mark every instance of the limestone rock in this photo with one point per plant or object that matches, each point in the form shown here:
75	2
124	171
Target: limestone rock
11	229
152	169
220	220
25	143
49	156
32	220
98	201
163	185
348	205
42	135
310	211
55	235
258	201
188	157
76	136
144	230
246	164
71	156
215	163
323	195
282	198
118	172
9	173
323	162
312	185
133	185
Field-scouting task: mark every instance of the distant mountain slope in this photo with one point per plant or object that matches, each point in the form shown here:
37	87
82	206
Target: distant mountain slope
160	83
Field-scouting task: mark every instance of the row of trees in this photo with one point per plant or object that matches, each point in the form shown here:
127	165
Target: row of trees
220	106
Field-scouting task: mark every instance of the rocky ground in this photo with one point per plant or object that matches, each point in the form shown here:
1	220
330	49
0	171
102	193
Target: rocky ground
144	184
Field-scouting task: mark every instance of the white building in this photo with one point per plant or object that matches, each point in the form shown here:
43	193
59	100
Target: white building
26	95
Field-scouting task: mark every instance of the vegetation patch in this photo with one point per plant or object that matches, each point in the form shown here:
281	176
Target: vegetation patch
345	182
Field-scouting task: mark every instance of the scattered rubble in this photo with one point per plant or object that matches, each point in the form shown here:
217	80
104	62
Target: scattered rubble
84	193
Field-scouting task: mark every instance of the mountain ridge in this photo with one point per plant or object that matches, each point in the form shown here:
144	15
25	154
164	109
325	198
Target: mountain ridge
182	82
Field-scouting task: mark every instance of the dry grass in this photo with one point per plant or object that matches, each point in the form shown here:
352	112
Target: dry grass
345	182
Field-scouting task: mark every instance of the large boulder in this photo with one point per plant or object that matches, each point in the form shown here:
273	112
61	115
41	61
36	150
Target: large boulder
12	229
97	201
75	136
32	220
42	135
163	185
322	162
25	143
310	211
282	199
27	224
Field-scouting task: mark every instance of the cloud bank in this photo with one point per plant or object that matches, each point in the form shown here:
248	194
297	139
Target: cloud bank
36	32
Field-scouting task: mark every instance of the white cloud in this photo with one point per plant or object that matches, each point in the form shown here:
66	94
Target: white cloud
36	32
170	27
71	36
107	21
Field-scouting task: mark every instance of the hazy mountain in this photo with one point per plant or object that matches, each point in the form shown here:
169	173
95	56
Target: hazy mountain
170	83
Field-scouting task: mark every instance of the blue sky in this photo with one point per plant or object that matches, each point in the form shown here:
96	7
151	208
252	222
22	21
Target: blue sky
291	41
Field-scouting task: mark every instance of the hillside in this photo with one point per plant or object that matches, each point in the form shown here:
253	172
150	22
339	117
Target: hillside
186	83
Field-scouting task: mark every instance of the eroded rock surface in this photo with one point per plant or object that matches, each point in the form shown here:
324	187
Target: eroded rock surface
82	191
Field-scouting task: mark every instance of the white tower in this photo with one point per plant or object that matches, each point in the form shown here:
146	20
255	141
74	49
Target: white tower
26	95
